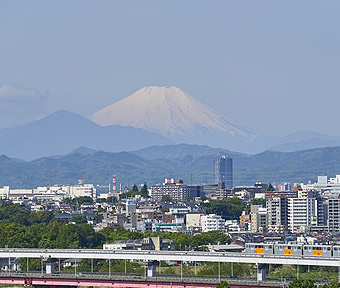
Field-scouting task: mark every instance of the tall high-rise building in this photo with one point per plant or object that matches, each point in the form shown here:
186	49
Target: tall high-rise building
334	215
223	171
277	208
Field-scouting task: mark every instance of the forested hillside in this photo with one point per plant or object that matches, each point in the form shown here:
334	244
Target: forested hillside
191	163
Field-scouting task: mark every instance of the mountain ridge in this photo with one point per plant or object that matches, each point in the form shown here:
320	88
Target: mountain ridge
63	131
133	168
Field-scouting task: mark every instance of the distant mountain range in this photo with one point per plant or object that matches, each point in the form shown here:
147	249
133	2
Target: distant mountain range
64	131
303	140
153	116
192	163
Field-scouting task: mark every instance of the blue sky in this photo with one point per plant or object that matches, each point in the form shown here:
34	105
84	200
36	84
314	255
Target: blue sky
272	66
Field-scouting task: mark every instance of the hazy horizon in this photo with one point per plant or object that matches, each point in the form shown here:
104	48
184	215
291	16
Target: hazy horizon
269	66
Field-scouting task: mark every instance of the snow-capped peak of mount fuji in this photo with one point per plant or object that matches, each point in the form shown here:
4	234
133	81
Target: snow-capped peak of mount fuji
168	111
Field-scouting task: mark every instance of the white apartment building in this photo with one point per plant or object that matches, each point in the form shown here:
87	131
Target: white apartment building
302	213
4	192
81	190
178	210
193	220
212	222
176	191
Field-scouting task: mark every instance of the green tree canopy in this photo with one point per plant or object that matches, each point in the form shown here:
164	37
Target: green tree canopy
333	284
110	199
80	200
270	187
229	209
78	219
259	201
223	284
144	191
302	283
134	189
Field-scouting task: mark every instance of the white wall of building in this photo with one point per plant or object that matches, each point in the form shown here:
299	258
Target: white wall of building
212	222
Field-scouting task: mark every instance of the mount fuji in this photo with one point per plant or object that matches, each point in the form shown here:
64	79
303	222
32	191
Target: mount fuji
174	114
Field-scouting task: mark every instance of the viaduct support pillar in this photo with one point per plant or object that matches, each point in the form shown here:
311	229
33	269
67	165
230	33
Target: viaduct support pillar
50	267
261	272
152	268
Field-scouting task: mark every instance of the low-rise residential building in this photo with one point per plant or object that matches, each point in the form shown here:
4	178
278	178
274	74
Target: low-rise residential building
244	218
259	219
193	221
212	222
168	227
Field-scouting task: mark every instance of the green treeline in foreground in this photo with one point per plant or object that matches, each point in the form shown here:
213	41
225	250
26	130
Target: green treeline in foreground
23	228
312	272
306	283
296	283
223	284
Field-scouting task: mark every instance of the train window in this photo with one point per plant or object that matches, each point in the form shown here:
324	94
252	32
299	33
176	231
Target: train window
299	248
328	248
305	248
335	249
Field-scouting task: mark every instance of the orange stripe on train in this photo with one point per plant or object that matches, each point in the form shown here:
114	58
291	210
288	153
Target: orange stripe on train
288	251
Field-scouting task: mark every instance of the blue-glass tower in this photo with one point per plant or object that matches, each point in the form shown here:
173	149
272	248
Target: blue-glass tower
223	171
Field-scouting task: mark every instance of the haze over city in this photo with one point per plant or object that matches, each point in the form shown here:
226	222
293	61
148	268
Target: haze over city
269	66
169	144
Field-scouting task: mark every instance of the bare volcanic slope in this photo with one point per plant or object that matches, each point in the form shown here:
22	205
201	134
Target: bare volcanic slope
173	113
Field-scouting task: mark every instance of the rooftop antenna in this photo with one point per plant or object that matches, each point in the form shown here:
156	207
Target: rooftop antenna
114	188
81	181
